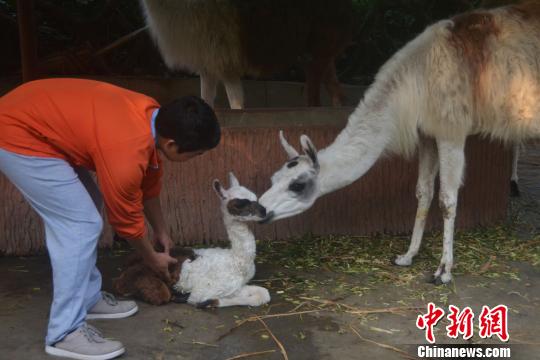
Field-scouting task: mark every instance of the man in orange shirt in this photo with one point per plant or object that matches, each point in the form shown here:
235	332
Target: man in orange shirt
52	132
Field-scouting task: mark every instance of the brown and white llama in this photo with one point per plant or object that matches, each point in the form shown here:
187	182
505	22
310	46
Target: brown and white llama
477	73
223	40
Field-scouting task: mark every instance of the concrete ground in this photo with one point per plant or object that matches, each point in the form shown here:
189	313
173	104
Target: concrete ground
178	331
326	303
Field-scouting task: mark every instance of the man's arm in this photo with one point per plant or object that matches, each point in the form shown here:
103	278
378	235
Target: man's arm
154	214
120	178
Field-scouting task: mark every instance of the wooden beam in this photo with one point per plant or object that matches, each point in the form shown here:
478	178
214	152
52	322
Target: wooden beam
27	39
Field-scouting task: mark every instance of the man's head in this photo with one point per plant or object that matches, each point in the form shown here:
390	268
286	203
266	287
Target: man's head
186	127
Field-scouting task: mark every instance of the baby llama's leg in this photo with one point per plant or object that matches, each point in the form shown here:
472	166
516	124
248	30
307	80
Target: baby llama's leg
249	295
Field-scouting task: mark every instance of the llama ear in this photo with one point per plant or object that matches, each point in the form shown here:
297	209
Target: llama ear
219	189
309	150
291	152
233	181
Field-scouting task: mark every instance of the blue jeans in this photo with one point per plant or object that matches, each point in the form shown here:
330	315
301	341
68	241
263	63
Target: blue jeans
67	200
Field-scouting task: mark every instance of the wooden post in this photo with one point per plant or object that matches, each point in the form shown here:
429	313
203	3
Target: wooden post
27	39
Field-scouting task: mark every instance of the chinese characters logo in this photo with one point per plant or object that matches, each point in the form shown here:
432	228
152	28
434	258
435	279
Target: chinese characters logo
491	322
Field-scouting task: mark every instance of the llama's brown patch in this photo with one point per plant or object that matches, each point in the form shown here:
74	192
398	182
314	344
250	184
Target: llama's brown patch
181	255
150	289
528	11
470	35
140	281
276	34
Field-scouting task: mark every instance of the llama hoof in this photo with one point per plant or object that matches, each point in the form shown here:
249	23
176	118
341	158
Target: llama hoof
402	260
179	297
514	189
207	304
442	279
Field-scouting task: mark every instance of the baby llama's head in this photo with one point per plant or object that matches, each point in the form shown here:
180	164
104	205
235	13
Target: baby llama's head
238	202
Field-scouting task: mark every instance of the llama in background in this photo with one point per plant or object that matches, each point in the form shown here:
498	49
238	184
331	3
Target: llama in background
223	40
477	73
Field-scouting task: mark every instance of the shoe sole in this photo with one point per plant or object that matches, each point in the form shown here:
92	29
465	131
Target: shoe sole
51	350
112	316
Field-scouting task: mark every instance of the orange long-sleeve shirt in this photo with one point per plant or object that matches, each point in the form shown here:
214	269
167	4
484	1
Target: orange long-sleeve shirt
95	125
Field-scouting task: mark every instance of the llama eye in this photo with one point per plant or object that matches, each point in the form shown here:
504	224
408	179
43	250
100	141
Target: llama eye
237	206
297	187
241	203
292	164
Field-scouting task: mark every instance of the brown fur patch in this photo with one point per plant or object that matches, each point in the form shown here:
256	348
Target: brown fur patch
143	283
470	34
276	34
152	290
527	10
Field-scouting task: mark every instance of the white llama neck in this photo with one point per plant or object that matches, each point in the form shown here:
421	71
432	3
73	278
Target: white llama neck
358	146
241	238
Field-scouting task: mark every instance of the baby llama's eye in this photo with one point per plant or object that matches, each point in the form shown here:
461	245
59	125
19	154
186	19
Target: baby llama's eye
297	187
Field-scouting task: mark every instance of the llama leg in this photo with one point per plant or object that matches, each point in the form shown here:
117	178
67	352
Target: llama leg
315	73
452	163
331	82
208	88
235	93
514	188
428	166
248	295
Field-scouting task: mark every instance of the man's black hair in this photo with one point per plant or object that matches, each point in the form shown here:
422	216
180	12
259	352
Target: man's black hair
190	122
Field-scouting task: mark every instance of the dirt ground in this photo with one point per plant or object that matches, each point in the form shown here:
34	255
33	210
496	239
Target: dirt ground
332	298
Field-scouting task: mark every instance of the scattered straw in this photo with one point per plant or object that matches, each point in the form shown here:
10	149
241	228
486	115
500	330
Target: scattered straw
258	317
384	346
358	311
369	256
283	351
203	344
242	356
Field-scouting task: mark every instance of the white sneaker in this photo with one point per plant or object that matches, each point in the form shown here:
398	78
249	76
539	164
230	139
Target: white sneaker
86	343
109	308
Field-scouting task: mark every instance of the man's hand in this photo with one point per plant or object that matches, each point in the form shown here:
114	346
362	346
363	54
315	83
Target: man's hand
164	240
159	262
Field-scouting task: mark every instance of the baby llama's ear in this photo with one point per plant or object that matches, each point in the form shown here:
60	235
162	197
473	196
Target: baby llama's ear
233	181
219	189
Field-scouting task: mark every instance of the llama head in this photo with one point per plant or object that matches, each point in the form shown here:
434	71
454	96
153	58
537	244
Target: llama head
238	202
294	186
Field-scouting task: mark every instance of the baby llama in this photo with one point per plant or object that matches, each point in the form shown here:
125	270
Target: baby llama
214	277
